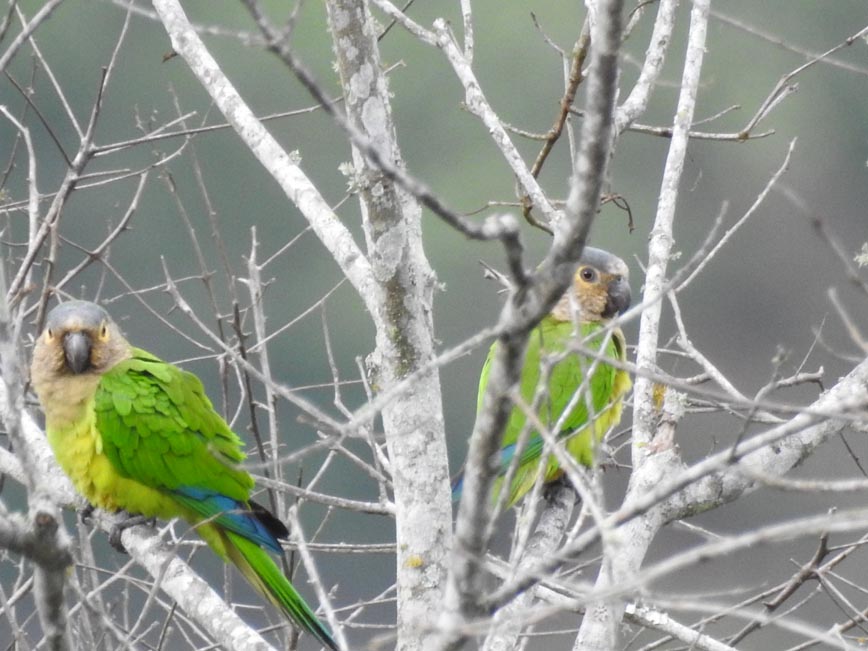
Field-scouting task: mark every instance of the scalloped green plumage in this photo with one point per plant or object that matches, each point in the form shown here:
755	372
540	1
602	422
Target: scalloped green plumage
136	433
549	342
565	382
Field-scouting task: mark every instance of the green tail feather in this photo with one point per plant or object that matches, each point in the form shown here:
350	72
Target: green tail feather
264	575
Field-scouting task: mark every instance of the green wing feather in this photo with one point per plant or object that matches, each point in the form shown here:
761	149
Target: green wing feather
159	428
547	341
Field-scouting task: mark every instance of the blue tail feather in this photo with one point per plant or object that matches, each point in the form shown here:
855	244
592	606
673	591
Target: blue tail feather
532	450
457	485
244	518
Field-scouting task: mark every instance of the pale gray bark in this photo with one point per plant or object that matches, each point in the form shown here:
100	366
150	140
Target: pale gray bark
38	18
403	316
276	160
175	577
40	537
508	623
535	296
394	280
601	624
451	590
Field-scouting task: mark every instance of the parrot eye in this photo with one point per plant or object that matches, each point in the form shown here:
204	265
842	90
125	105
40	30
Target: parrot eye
49	335
588	274
103	332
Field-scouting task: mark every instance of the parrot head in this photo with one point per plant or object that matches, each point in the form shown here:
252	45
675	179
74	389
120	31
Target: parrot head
79	338
600	289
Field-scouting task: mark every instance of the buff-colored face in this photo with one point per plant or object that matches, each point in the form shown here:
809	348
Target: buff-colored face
79	337
601	287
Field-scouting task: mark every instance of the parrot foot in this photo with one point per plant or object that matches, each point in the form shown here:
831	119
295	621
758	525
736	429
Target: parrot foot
119	527
552	490
86	512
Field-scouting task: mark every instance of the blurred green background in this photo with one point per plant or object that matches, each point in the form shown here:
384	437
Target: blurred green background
763	296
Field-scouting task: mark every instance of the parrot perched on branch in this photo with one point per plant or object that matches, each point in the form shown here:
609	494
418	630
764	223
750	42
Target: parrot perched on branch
599	292
136	433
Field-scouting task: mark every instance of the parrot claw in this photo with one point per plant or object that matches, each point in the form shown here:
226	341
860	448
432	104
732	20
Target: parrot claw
552	489
119	527
86	512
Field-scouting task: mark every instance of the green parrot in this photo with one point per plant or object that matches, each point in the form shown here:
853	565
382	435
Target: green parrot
600	291
136	433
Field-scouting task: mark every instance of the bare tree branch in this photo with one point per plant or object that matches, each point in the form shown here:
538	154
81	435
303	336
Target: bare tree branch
525	307
415	436
175	577
259	309
279	164
43	538
38	18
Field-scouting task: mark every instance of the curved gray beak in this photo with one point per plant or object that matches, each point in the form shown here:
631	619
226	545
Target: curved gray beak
619	297
76	348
